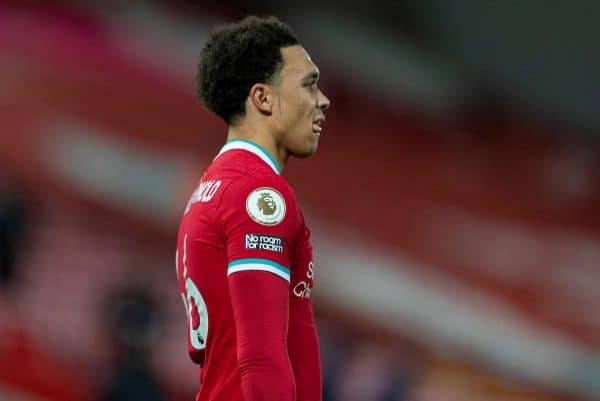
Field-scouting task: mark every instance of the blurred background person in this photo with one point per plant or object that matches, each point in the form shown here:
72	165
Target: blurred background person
13	230
133	324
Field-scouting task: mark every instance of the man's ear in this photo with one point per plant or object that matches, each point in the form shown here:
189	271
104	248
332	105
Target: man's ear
261	97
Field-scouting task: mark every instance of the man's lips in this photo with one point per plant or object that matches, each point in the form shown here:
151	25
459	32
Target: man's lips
318	124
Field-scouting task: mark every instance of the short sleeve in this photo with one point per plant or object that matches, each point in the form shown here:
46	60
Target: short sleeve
259	222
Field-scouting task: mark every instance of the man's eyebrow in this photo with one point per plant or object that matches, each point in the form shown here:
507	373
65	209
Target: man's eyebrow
311	75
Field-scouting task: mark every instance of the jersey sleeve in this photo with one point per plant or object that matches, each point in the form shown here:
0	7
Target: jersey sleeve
303	342
259	223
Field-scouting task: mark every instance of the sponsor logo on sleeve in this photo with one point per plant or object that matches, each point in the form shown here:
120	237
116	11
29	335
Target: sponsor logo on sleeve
263	242
266	206
304	288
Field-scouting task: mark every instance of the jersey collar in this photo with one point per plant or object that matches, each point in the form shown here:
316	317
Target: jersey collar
251	147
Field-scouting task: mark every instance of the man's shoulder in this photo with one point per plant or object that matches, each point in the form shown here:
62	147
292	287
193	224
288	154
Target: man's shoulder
247	183
264	195
244	171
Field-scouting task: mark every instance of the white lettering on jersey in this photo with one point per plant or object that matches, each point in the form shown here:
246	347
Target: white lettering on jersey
264	242
303	288
196	309
204	193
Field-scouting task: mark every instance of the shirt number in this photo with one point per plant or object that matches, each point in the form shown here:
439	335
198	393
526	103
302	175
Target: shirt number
197	313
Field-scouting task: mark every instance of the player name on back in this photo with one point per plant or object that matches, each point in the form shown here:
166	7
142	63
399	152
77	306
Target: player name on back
204	193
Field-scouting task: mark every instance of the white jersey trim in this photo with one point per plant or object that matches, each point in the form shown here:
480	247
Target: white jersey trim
260	265
251	147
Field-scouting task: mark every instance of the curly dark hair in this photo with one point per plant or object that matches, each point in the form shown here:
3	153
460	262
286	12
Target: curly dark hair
235	57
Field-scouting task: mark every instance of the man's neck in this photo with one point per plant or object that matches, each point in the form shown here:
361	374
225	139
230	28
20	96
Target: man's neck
260	138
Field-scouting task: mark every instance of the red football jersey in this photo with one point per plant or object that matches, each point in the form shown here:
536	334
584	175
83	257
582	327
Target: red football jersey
245	270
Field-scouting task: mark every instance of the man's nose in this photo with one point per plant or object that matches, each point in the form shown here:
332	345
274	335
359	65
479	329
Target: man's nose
323	102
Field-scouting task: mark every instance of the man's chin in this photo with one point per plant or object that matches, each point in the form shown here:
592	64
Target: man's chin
311	150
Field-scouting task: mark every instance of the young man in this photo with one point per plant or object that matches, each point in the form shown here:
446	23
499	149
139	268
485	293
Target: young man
244	259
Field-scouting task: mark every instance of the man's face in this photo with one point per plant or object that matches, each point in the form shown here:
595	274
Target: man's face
299	107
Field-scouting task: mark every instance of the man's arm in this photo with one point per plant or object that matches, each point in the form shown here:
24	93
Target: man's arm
259	276
303	345
260	304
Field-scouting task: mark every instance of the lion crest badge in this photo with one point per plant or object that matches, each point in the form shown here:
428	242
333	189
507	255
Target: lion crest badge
266	206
